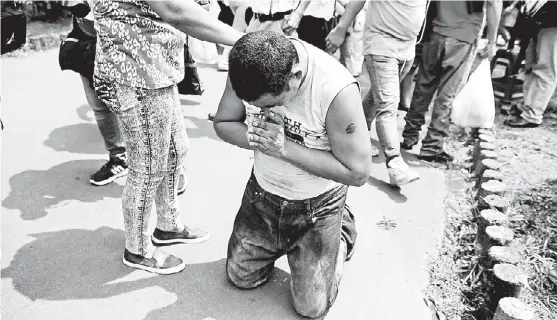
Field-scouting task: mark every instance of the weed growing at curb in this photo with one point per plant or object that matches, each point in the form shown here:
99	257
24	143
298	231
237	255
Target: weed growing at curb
459	286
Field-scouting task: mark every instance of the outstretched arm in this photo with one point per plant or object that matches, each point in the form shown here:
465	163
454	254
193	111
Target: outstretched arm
190	18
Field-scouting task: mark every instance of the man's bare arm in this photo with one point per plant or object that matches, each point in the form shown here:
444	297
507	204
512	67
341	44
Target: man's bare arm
190	18
230	117
349	161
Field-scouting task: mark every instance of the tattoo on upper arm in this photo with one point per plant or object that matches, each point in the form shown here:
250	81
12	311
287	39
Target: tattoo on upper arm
351	128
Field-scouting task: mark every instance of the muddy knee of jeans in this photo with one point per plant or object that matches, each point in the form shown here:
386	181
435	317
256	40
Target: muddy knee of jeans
314	309
243	282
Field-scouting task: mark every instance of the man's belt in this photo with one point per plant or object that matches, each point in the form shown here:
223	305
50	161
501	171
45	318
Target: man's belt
271	17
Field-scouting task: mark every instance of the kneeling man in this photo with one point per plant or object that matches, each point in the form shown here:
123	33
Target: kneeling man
303	118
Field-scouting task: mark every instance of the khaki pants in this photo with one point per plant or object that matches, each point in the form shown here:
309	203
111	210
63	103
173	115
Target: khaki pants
541	75
351	51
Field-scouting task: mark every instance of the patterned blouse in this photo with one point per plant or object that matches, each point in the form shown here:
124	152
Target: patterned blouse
135	46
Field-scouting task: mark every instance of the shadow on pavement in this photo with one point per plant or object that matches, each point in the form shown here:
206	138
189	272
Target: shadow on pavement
203	128
186	100
81	138
413	161
392	192
86	264
33	192
82	112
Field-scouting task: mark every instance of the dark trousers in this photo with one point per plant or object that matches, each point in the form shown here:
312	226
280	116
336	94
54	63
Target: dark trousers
314	31
445	68
316	234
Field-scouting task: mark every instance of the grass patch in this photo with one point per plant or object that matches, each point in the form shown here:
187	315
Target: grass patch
459	287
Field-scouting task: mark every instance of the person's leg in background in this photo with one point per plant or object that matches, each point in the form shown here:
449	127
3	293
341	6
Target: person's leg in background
109	128
540	81
427	82
457	60
406	89
407	84
351	51
239	23
385	74
367	104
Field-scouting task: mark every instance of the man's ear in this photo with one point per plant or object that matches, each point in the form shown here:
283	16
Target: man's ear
297	73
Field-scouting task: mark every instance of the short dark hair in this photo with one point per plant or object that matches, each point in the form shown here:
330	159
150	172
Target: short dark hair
261	62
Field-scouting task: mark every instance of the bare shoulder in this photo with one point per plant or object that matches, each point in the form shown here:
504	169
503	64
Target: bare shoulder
345	114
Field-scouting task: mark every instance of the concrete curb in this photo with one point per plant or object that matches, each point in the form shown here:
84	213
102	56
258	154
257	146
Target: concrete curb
493	233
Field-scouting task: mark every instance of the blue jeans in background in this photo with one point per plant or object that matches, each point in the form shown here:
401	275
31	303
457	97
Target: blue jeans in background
381	102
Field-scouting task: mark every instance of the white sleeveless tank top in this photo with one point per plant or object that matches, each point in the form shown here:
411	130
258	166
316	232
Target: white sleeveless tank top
304	118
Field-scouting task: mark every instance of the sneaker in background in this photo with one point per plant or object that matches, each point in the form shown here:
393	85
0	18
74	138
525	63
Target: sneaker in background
112	170
441	157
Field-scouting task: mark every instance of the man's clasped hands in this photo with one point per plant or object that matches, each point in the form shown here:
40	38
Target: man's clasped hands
267	135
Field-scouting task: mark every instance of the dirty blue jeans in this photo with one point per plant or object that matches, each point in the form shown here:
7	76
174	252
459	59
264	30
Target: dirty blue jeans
153	127
308	231
445	67
381	102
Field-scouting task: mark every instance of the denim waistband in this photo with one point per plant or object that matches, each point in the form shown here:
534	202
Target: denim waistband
308	204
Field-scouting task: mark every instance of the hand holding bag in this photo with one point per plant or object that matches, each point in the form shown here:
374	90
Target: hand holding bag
474	105
191	84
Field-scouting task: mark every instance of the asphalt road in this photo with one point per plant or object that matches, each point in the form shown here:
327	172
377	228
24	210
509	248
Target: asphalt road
62	239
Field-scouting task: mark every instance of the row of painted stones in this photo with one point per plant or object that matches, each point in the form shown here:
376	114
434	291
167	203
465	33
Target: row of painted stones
497	259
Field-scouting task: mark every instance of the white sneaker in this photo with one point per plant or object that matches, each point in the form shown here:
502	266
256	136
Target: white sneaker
400	174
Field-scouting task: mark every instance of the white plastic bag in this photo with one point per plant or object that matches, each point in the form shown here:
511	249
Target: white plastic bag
474	105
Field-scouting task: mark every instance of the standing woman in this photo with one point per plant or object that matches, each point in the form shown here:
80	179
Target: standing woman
139	61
